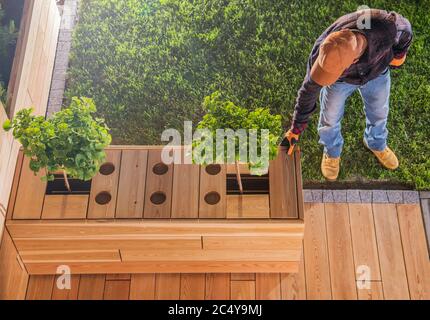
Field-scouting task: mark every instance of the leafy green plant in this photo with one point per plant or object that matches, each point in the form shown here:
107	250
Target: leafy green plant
71	140
224	114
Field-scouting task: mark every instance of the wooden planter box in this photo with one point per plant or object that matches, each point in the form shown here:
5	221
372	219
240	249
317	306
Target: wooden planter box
140	215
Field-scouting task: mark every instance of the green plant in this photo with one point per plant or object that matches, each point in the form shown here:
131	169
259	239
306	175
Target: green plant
224	114
71	140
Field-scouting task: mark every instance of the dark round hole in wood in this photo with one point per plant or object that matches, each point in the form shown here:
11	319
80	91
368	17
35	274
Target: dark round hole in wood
107	169
213	169
103	198
160	169
212	198
158	198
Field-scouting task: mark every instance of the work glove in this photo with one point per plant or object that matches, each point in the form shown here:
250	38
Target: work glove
290	139
396	63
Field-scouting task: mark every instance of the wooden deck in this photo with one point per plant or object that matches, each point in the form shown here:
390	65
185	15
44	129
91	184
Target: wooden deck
340	239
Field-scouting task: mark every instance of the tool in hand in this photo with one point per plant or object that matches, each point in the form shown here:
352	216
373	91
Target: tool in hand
290	140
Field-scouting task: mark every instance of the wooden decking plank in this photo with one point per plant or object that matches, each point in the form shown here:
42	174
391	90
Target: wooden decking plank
142	286
283	193
167	286
117	290
390	250
40	288
268	286
92	287
248	206
242	276
193	286
217	286
342	271
105	183
364	239
242	290
213	184
293	285
118	276
185	193
65	207
374	293
30	195
67	294
158	184
131	194
415	250
316	253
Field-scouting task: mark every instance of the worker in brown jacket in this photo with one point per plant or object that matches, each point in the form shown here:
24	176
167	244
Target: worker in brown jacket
346	58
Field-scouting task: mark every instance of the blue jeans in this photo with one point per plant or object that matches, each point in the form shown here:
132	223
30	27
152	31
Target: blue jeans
376	98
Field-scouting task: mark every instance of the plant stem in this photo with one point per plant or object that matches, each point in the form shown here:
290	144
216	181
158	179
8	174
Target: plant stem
239	178
66	181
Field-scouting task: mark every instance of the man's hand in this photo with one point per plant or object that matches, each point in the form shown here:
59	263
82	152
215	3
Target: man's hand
290	140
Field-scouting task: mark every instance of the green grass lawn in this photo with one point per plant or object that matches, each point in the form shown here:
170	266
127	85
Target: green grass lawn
149	64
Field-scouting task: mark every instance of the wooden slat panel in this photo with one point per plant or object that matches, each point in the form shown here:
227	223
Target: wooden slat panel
283	193
242	290
268	286
13	276
248	206
390	250
63	256
67	294
192	286
118	276
341	261
6	201
117	290
299	183
167	286
316	253
65	207
158	183
293	285
364	239
374	293
185	193
213	183
142	287
293	242
217	286
31	193
131	193
242	276
103	183
168	267
415	250
40	288
91	287
109	243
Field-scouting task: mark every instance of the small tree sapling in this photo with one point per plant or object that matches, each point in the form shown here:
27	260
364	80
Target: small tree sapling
71	141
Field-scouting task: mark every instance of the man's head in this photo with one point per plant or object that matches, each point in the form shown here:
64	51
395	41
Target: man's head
337	53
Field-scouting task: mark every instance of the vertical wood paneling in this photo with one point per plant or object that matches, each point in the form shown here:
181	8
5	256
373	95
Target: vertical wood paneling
193	286
217	286
40	288
268	286
91	287
242	290
67	294
142	287
185	193
213	183
167	286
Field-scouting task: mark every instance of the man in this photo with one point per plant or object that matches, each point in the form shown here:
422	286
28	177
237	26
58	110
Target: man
346	58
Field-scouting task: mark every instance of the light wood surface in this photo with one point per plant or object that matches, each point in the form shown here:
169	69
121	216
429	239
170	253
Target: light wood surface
40	288
217	286
248	206
192	286
242	290
142	287
117	290
375	292
65	207
268	286
67	293
91	287
213	183
167	286
185	193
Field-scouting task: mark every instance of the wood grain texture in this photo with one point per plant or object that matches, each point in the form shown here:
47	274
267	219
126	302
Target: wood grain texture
293	285
31	193
283	187
40	288
185	193
299	183
268	286
213	183
116	290
158	183
341	261
364	239
167	286
193	286
217	286
91	287
64	257
415	251
248	206
243	276
142	286
65	207
287	242
242	290
66	293
131	190
105	183
390	250
318	284
375	291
